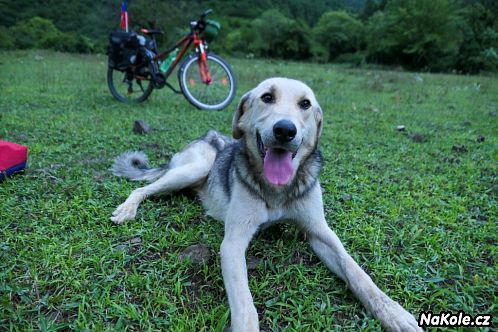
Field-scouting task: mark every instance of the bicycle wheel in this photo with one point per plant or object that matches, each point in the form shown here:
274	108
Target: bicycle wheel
213	96
127	88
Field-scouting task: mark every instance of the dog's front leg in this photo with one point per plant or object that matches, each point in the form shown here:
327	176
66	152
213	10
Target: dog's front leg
329	248
243	218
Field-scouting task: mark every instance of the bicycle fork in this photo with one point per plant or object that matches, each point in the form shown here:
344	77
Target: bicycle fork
203	67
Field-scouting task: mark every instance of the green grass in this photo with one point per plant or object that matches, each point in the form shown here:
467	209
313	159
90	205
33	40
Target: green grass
421	217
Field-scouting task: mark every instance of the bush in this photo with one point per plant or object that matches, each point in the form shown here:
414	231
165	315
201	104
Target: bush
6	40
38	32
279	36
479	48
74	43
336	33
356	58
416	33
239	40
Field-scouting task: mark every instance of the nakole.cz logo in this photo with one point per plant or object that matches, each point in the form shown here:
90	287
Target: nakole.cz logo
448	319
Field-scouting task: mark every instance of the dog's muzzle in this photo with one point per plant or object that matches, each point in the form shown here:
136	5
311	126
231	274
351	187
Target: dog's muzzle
279	152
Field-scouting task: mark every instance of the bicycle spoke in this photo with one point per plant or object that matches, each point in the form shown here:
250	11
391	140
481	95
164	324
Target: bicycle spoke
213	95
123	86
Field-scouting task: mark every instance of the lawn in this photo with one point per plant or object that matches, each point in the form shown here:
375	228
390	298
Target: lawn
416	208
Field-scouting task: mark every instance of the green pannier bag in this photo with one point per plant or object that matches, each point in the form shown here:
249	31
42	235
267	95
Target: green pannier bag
211	30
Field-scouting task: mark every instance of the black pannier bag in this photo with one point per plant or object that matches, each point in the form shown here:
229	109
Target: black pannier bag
122	50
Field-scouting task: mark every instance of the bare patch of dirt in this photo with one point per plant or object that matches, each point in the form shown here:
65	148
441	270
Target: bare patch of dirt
418	138
129	244
197	254
460	148
253	263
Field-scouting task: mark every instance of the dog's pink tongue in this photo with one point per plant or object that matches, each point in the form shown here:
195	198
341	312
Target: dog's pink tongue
277	166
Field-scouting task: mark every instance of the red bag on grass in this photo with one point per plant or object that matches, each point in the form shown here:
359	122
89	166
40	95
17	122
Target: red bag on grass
13	158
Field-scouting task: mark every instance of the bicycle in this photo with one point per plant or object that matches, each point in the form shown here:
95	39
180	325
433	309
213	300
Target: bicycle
205	79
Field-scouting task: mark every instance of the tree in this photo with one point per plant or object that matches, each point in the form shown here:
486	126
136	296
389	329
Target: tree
336	33
371	7
36	32
240	38
279	36
416	33
480	45
7	41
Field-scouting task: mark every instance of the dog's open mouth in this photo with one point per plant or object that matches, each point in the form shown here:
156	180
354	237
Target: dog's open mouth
277	163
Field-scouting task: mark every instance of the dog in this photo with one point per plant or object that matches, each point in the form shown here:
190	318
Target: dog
267	173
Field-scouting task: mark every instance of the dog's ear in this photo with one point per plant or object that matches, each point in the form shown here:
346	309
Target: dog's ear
237	132
319	121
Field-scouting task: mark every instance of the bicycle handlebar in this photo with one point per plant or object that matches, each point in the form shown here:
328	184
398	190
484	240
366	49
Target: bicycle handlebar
200	25
206	13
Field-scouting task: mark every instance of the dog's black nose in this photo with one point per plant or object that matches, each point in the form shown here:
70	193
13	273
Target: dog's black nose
284	131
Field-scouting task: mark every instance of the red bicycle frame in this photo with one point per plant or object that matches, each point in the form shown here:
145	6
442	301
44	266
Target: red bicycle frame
184	44
203	67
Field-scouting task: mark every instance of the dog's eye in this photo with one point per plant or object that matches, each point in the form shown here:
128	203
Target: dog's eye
305	104
267	98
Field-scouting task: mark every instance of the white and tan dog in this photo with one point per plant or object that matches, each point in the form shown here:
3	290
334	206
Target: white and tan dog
267	174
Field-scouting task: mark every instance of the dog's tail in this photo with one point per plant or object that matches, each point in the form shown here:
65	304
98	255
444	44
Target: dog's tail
134	165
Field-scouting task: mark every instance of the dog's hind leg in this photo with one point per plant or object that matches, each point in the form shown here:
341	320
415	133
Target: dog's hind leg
188	168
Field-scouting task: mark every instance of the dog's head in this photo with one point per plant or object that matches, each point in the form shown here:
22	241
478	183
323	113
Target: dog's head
281	123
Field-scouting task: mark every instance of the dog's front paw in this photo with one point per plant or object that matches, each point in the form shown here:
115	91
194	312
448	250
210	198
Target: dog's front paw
125	211
394	318
245	321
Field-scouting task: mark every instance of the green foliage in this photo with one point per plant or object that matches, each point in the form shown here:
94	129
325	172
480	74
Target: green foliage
304	10
480	45
73	42
336	33
279	36
39	32
356	58
371	7
36	32
436	35
239	40
416	33
12	11
378	48
7	41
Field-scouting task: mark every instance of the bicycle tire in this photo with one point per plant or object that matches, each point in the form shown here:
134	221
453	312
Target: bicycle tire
215	96
119	88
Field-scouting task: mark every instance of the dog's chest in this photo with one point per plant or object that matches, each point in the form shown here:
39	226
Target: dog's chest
276	215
